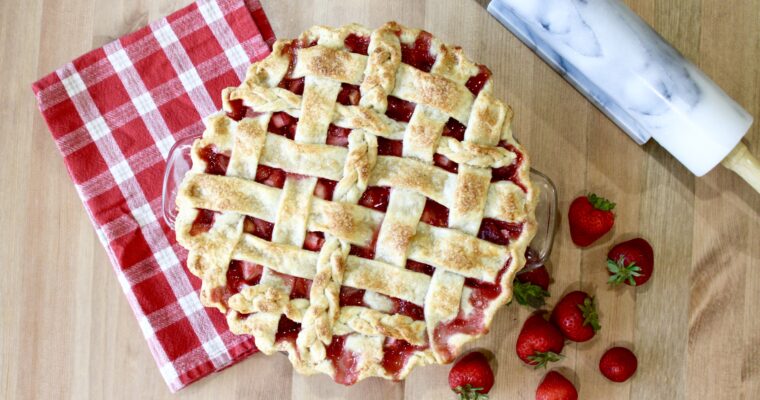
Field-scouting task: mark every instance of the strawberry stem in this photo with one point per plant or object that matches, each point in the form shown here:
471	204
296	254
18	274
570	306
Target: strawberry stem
621	272
543	358
600	203
467	392
529	294
590	316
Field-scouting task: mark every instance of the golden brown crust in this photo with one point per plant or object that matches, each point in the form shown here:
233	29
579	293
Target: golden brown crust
398	235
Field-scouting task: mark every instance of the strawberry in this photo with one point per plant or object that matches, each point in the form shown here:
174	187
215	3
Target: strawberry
618	364
576	317
590	218
531	287
556	387
539	342
471	377
631	262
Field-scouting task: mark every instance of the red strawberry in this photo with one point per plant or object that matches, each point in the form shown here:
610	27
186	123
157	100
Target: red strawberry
471	377
556	387
575	316
531	287
590	218
631	262
618	364
539	342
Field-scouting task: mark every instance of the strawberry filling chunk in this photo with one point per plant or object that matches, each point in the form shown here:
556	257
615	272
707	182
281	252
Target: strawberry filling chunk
435	214
314	241
396	353
509	172
337	136
283	124
351	297
349	94
343	360
482	294
202	222
418	54
442	161
357	44
258	227
476	83
237	110
454	129
376	198
499	232
388	147
420	267
325	188
241	274
399	110
269	176
287	330
216	162
407	308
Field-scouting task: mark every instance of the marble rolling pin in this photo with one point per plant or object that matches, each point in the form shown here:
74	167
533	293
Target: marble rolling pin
636	78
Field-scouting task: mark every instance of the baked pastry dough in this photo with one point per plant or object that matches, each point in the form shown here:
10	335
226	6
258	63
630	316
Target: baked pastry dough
361	204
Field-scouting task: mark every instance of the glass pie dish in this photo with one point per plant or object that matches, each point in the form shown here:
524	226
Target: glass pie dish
179	162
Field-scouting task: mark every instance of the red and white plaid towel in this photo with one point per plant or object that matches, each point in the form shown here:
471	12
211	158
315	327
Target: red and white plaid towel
114	113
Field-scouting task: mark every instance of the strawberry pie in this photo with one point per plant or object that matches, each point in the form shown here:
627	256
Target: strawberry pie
360	204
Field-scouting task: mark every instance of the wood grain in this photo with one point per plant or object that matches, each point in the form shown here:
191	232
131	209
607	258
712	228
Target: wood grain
67	331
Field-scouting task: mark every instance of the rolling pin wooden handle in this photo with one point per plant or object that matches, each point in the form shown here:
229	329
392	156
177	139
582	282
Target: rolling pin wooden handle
741	161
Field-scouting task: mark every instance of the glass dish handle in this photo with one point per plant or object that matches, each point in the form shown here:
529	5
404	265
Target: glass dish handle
179	162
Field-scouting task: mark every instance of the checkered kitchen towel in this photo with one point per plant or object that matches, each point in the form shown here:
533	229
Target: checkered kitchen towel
114	113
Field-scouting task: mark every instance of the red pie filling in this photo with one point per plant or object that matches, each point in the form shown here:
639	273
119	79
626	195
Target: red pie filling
417	54
325	188
454	129
420	267
314	241
349	94
294	85
483	293
216	162
344	361
396	352
241	274
337	136
388	147
442	161
509	172
237	110
258	227
399	110
476	83
283	124
376	198
269	176
287	330
357	44
499	232
202	222
435	214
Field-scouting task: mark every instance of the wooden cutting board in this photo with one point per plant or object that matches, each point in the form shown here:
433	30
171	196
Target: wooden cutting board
67	331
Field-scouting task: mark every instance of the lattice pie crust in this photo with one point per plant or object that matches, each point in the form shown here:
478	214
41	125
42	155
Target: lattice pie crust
361	204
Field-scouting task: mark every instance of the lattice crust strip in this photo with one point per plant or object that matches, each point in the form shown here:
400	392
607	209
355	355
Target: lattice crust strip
360	204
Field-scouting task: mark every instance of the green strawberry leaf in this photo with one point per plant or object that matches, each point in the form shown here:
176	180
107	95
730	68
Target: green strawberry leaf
467	392
543	358
600	203
621	272
590	316
529	294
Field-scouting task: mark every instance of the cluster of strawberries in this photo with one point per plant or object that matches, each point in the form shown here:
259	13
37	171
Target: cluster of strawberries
574	317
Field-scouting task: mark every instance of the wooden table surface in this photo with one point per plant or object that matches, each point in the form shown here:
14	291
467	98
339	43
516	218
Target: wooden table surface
67	331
